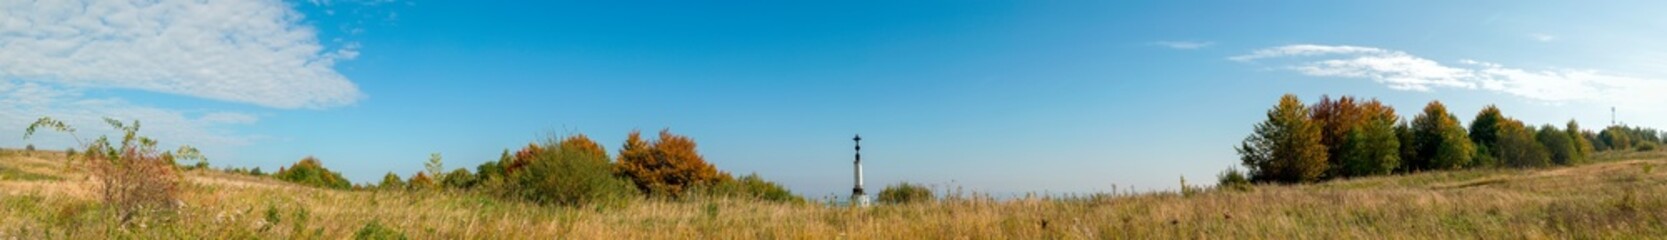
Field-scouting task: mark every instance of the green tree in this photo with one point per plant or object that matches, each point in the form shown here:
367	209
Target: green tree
1583	145
309	171
1485	133
459	179
1410	160
434	167
566	175
1616	138
1373	149
391	181
1285	148
1518	148
1560	146
1597	142
1439	141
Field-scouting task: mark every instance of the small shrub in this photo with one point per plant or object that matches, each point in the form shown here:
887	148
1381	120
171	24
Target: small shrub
905	192
1233	179
753	186
1646	146
309	171
133	178
29	148
375	231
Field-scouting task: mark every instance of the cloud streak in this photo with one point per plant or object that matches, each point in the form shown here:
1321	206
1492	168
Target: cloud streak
1403	71
1184	45
255	52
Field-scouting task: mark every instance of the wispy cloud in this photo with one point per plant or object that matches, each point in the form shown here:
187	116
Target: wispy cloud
1543	37
1402	71
1184	45
256	52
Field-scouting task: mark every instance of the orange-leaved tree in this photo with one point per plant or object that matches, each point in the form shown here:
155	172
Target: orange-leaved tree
668	166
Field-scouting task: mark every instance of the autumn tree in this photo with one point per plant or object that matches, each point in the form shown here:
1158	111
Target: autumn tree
1286	147
1359	135
421	181
1439	142
667	166
1337	118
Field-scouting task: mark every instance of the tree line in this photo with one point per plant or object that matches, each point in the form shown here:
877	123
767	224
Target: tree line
570	171
1349	137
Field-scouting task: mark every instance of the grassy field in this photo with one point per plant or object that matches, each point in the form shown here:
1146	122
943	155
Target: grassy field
1622	197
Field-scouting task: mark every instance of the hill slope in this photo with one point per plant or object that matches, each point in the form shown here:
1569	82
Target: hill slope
1607	200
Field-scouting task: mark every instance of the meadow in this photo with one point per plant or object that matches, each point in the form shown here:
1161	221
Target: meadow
1615	196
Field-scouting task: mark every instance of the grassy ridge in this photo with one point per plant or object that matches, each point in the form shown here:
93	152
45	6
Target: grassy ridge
1616	198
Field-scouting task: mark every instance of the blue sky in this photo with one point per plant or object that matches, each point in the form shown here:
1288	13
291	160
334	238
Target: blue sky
997	97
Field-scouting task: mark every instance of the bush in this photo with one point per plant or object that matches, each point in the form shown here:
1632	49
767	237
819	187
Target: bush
753	186
569	176
309	171
375	230
459	179
133	177
1646	146
666	166
904	192
29	148
1233	179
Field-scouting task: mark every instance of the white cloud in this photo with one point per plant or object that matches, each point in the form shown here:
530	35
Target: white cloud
21	103
1403	71
1543	37
1184	45
256	51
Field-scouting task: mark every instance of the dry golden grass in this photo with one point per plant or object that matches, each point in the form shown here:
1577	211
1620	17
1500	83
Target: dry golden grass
1615	199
